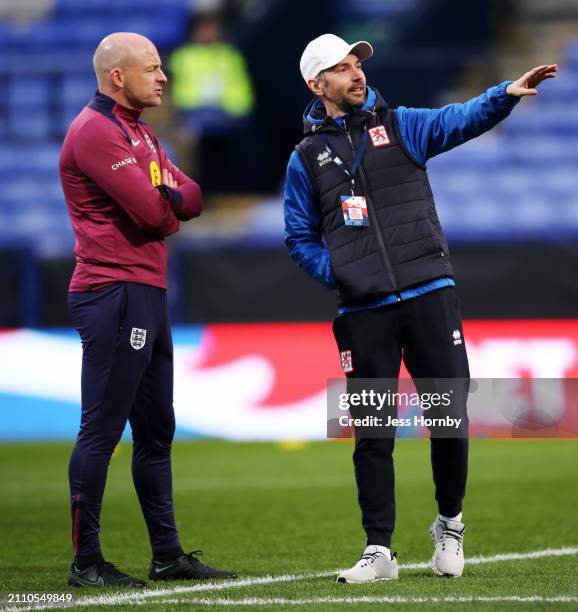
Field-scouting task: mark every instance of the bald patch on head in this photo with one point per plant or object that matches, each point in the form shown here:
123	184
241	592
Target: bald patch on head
117	51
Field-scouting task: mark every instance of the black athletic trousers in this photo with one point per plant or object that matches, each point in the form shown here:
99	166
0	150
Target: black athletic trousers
421	332
127	373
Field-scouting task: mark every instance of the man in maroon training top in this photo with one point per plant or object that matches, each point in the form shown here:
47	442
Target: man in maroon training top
124	198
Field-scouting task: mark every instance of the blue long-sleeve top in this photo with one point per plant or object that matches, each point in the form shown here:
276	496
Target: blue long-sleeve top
426	132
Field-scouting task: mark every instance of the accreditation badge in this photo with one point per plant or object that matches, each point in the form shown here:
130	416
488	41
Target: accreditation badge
355	211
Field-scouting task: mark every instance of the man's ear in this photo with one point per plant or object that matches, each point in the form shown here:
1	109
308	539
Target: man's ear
315	86
117	77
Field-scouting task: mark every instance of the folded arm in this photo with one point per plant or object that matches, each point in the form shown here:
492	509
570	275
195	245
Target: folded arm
186	199
104	155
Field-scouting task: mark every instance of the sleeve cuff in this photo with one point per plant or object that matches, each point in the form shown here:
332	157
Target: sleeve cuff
172	195
507	98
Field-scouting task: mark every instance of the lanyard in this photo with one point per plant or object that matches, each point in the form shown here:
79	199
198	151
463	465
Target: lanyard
356	160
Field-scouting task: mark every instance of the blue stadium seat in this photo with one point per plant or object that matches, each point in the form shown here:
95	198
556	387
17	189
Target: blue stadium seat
76	93
33	161
34	62
32	193
24	92
85	32
67	114
572	56
77	90
561	89
30	125
126	7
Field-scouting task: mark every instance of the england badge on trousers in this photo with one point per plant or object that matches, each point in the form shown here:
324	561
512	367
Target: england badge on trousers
138	338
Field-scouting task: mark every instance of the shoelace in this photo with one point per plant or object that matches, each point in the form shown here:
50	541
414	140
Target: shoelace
372	557
453	534
192	556
110	567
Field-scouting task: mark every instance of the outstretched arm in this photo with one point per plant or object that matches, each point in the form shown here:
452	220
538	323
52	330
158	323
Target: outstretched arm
427	132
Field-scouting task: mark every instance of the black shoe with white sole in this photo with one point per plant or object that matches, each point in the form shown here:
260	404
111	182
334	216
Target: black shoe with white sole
186	567
102	574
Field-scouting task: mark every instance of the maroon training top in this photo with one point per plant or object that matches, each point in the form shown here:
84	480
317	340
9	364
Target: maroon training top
110	163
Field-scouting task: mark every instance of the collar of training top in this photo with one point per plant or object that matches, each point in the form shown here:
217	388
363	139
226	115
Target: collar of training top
315	118
106	105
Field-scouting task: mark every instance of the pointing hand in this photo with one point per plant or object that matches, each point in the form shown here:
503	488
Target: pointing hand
526	85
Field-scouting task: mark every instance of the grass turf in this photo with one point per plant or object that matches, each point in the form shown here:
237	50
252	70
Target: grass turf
285	509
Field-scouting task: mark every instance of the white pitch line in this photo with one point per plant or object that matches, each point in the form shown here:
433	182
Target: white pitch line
114	599
536	554
279	601
138	596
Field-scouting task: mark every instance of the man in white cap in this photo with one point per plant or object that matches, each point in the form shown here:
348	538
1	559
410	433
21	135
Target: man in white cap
360	217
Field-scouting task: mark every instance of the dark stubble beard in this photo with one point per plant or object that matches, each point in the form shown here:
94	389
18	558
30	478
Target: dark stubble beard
346	106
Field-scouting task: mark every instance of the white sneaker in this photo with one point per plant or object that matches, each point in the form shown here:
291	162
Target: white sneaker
376	563
448	557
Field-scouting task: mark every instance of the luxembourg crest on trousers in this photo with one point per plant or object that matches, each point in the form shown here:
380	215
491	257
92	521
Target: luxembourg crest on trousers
138	338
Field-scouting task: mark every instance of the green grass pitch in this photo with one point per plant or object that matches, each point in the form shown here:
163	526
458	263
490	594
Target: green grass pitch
272	509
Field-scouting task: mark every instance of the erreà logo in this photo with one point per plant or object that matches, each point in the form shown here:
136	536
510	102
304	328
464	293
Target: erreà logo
457	336
324	158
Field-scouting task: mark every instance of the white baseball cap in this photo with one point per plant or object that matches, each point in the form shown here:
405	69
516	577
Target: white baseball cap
327	51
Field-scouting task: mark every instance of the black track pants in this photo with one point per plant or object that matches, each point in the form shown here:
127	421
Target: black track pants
421	332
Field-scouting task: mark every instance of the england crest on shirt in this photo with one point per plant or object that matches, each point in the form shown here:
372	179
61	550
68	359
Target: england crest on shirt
138	338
